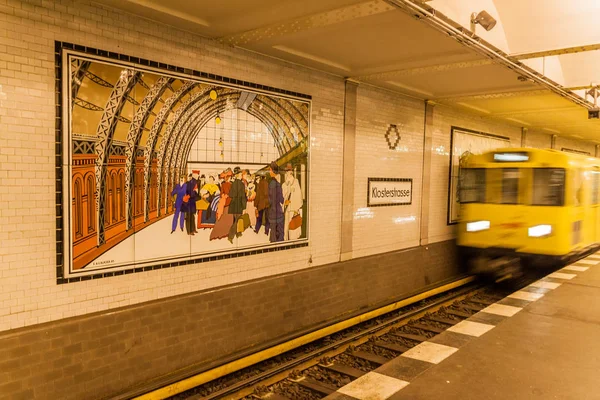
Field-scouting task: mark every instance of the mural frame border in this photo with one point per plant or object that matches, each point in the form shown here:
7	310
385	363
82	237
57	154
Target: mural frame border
453	128
62	153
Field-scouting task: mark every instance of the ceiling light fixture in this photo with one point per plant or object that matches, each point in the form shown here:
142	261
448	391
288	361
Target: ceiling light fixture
594	93
593	113
522	78
484	19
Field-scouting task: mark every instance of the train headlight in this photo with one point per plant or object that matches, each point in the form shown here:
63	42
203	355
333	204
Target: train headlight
478	226
540	230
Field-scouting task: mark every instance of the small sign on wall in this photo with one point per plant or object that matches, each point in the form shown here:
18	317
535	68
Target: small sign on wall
389	192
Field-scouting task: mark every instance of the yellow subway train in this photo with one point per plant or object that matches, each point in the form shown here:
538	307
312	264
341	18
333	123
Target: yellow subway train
523	207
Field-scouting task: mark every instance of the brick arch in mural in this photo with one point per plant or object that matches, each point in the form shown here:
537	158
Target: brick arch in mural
157	126
136	128
105	130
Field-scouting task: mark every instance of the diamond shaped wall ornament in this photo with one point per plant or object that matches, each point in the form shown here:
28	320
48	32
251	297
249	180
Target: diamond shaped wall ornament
392	136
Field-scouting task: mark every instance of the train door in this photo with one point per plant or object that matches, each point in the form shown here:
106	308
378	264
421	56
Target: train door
578	209
595	204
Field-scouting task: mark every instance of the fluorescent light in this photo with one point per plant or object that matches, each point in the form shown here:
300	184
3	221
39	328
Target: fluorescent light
511	157
311	57
411	88
483	110
478	226
518	121
550	130
540	230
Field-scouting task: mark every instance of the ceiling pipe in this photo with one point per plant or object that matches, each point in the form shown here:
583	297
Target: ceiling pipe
452	29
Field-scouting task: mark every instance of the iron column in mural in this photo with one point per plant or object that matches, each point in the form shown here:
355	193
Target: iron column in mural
105	132
157	126
133	138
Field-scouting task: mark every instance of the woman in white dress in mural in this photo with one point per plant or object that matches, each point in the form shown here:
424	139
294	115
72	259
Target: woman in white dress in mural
251	195
292	206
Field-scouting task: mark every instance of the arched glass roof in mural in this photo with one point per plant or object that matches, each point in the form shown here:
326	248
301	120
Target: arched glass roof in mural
123	111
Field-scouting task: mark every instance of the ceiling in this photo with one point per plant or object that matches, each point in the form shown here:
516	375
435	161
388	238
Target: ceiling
382	43
557	38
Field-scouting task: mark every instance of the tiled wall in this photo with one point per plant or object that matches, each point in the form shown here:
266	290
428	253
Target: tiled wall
538	140
28	290
574	144
101	355
388	228
30	295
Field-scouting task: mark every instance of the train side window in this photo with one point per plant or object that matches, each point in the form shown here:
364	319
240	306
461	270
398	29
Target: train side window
472	185
548	187
595	186
578	188
510	185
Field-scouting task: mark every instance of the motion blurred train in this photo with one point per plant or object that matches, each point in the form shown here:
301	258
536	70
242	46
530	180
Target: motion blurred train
526	208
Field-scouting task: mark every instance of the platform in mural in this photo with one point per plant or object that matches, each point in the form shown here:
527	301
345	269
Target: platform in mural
166	167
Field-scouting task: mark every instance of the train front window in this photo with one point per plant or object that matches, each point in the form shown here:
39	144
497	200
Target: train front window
548	187
503	185
472	185
510	186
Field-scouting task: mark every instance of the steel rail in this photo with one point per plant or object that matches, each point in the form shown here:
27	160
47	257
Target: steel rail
201	378
254	380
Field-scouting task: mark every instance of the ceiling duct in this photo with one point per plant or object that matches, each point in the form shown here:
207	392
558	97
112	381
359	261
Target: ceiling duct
246	98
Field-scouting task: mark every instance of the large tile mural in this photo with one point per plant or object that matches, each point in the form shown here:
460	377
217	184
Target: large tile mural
162	166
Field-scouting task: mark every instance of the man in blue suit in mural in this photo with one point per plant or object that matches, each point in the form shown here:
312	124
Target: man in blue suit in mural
191	192
179	214
275	211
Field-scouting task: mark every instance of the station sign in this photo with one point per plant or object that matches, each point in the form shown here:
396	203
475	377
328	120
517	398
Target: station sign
389	192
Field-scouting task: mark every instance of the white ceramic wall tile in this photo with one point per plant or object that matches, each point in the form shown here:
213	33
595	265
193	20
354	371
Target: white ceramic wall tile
28	290
388	228
538	140
27	74
578	145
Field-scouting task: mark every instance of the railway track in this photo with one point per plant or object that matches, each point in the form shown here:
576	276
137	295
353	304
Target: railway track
336	365
317	369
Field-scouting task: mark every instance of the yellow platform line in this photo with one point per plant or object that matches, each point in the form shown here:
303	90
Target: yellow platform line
218	372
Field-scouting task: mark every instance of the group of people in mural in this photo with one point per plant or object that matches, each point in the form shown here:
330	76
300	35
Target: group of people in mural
238	200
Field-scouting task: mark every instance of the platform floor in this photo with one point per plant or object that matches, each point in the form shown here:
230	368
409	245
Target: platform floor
542	342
